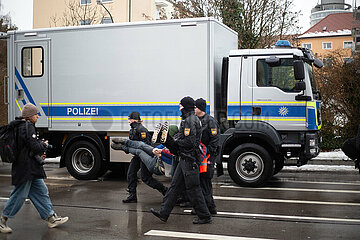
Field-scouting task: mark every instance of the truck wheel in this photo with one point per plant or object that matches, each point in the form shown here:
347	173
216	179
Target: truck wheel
250	165
83	161
279	165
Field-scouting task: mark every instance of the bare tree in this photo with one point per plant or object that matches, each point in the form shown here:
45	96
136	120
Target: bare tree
77	14
258	22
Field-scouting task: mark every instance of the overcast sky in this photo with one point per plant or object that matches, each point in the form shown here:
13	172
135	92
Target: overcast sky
21	11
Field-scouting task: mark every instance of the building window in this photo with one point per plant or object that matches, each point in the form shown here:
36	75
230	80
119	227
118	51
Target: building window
85	22
32	64
307	45
327	45
348	60
84	2
327	62
348	44
106	20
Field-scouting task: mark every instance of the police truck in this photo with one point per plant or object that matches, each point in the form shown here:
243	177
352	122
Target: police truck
85	80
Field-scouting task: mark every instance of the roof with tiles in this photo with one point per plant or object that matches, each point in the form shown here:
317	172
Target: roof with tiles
332	25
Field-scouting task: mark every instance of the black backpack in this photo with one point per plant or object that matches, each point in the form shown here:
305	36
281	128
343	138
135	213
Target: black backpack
8	141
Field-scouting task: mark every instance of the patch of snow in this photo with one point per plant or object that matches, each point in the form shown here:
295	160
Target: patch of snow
328	168
326	34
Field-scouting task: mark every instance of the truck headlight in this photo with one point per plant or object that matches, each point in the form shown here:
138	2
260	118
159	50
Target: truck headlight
312	142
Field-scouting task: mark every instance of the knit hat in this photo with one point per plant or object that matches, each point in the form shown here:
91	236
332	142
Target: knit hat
173	129
134	115
188	103
201	104
29	110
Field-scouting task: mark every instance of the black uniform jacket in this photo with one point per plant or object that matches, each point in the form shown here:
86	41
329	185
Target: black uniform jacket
139	133
210	133
26	168
188	138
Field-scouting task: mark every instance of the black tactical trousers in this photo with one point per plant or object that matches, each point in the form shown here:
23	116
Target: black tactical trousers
146	176
186	176
206	185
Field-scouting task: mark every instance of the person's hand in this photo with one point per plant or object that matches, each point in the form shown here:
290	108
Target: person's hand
157	152
43	157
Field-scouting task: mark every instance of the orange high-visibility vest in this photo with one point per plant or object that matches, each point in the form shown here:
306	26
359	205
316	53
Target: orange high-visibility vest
203	164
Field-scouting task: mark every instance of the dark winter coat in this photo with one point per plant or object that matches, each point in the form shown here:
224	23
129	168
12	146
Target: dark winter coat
26	168
210	134
188	138
139	133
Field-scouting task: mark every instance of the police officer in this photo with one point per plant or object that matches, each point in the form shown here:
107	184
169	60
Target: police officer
139	133
210	138
186	174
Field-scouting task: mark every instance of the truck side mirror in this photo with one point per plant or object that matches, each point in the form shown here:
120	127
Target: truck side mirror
273	61
318	63
299	72
300	86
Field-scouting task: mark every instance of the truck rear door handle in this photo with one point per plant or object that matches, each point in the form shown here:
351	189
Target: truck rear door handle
256	111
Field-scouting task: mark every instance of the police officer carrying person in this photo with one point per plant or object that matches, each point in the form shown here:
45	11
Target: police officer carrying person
186	174
139	133
210	138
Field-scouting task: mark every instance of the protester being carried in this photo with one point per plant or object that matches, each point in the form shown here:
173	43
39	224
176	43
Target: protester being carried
157	160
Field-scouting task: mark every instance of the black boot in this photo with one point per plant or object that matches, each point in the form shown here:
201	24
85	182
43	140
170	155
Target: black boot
202	221
157	214
131	198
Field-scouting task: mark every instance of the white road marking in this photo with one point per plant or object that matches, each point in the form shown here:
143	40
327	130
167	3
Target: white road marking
298	189
185	235
311	182
6	198
255	215
283	201
49	178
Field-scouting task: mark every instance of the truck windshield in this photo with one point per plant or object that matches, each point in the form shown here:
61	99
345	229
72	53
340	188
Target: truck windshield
311	77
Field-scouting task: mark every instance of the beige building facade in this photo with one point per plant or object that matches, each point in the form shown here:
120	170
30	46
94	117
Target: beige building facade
60	13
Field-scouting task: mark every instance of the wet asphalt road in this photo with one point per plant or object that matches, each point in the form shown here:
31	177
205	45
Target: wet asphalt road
294	205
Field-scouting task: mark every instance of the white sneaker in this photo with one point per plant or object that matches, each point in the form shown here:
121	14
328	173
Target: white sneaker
4	228
56	220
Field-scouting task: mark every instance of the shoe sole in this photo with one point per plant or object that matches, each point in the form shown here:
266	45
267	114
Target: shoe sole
156	132
164	133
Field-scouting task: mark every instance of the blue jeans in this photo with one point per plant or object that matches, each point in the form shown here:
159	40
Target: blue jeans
144	151
38	193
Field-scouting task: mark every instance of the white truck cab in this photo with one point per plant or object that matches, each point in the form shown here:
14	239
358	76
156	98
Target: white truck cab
273	107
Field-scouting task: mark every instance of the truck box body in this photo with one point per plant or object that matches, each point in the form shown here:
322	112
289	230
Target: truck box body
90	78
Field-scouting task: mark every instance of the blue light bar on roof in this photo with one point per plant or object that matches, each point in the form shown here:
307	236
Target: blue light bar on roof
282	43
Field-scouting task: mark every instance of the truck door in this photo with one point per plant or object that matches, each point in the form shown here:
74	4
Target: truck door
31	78
274	94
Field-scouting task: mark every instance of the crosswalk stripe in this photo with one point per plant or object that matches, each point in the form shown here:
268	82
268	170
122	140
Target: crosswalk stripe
298	189
283	201
183	235
255	215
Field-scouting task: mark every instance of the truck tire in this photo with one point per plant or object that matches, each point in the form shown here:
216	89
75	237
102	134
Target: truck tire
250	165
279	165
83	161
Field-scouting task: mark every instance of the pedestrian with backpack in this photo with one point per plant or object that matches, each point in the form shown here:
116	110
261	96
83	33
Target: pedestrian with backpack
27	174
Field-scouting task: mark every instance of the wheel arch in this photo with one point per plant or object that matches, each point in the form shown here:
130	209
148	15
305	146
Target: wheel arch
92	138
